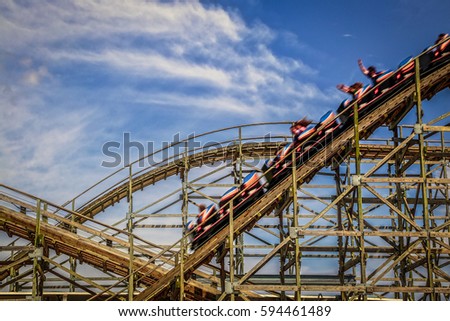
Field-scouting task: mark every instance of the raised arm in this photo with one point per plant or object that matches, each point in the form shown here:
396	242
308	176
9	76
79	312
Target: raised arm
303	122
344	88
363	69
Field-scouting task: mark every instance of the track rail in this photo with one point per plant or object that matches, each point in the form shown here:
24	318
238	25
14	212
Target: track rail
263	149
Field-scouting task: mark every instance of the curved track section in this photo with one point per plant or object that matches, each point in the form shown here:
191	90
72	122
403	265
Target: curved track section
171	168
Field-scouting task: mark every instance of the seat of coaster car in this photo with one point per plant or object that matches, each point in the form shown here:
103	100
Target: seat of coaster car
250	184
206	218
310	129
228	195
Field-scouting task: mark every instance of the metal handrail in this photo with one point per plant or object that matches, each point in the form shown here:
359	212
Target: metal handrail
168	159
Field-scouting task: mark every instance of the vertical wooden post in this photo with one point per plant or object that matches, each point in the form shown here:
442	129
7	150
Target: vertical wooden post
231	251
35	291
423	174
362	249
340	226
239	249
130	236
73	260
298	292
446	193
13	287
184	215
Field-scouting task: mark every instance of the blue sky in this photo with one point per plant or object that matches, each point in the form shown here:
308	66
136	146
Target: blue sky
77	74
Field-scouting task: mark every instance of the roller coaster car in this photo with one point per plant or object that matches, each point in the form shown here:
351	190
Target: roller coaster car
387	85
440	54
363	96
404	75
327	123
308	132
210	221
206	220
425	59
250	184
443	49
251	188
433	57
191	228
284	160
272	166
344	104
405	69
279	164
227	196
306	144
303	141
267	169
280	158
384	82
393	82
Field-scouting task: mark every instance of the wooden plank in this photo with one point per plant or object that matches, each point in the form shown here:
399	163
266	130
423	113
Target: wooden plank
411	180
427	128
302	232
75	243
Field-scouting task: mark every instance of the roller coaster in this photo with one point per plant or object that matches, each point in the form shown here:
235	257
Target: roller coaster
378	231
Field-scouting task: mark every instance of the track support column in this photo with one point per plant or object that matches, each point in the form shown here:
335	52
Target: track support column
240	238
340	226
362	249
130	217
231	251
184	216
298	292
36	291
423	174
72	260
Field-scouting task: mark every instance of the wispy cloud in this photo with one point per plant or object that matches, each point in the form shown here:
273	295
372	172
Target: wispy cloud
49	22
149	64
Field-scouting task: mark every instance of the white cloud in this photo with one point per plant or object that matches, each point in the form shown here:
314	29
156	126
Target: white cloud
49	22
150	64
213	105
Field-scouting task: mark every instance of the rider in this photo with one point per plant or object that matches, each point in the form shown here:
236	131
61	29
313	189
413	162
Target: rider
352	90
439	50
299	127
371	72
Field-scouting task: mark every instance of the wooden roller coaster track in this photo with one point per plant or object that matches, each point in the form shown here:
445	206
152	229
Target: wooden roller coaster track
159	278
